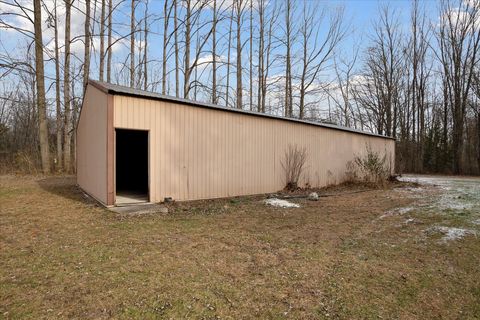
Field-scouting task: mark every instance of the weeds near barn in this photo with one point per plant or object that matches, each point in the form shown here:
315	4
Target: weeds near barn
371	168
293	165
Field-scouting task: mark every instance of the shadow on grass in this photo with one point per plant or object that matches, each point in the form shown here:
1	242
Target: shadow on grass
66	187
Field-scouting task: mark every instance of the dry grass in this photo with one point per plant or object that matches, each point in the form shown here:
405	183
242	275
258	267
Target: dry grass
63	257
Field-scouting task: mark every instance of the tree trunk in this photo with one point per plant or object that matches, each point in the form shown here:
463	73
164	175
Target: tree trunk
59	119
177	62
102	39
304	34
186	64
445	127
86	59
478	140
302	80
73	139
66	91
260	54
251	57
165	47
194	66
228	58
214	53
40	80
288	62
239	55
145	49
266	68
457	135
109	50
132	44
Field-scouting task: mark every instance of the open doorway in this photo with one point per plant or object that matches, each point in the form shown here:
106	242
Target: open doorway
131	166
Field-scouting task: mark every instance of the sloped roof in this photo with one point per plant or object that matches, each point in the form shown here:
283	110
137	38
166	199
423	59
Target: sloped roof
114	89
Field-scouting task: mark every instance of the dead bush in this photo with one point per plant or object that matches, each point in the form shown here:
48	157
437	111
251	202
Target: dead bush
373	167
293	165
351	172
26	163
19	163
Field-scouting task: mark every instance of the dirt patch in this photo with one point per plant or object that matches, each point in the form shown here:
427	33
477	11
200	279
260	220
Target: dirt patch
62	256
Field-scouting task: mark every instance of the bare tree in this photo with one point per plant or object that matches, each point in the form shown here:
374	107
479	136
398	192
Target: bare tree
227	97
40	81
86	59
67	133
458	40
109	41
261	59
177	62
250	62
265	51
192	16
316	52
416	52
145	48
288	58
132	43
166	18
58	106
476	111
186	64
214	52
239	10
384	68
102	37
344	69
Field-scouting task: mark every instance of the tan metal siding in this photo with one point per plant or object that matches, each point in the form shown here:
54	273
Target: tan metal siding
92	144
199	153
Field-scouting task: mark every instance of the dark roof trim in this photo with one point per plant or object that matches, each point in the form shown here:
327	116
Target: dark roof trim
109	88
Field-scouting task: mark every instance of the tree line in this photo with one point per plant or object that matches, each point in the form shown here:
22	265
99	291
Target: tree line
416	81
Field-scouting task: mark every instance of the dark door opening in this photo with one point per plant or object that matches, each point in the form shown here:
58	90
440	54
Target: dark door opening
131	165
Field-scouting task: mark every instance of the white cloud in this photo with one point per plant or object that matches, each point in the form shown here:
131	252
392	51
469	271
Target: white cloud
77	23
208	59
461	17
222	4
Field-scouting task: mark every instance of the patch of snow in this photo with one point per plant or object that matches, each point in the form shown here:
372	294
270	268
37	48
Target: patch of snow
451	233
281	203
476	221
396	211
458	194
404	210
452	204
412	189
411	192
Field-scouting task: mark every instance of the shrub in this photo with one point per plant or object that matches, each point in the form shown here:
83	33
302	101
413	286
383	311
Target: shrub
351	172
21	162
293	165
372	166
26	163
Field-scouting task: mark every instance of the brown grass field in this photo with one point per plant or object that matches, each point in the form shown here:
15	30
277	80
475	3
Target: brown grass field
62	256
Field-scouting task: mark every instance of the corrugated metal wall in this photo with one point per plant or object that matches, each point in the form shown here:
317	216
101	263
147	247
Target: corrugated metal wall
200	153
92	144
